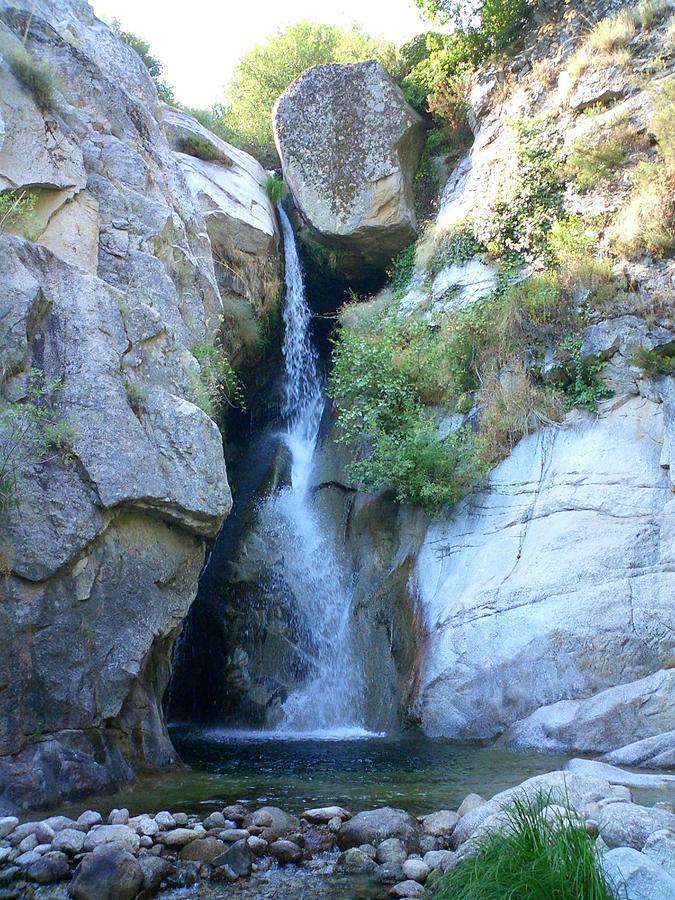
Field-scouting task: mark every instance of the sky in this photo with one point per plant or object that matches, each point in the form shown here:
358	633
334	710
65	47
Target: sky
199	41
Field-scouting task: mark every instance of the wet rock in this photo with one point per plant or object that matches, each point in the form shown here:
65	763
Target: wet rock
324	814
236	812
51	867
27	859
181	820
257	845
107	834
388	873
21	832
334	824
155	871
317	840
619	776
630	825
416	870
391	850
355	862
469	803
203	850
660	848
44	833
636	877
407	889
285	851
69	841
441	823
376	825
238	859
108	873
435	858
230	835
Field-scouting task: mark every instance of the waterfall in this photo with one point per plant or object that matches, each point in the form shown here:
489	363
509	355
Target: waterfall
330	698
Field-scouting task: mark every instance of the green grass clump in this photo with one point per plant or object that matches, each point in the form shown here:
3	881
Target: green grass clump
275	187
217	383
659	361
456	246
17	212
194	145
36	76
402	268
530	858
595	158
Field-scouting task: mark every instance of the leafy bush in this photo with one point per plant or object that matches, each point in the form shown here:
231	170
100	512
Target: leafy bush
202	148
152	64
36	76
402	268
580	377
275	187
487	26
594	159
265	71
31	428
456	246
217	382
17	212
530	858
659	361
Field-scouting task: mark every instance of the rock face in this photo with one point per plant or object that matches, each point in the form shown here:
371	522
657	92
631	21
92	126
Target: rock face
105	541
349	145
562	615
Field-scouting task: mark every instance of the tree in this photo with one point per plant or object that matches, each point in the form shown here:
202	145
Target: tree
152	64
265	71
491	25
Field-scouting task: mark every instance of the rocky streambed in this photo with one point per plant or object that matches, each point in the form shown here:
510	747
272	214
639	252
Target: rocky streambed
328	851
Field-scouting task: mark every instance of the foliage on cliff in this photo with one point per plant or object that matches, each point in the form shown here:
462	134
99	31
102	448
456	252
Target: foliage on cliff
152	64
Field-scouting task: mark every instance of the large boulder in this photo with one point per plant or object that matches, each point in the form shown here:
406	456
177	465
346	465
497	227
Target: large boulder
377	825
657	752
349	145
109	873
637	877
564	617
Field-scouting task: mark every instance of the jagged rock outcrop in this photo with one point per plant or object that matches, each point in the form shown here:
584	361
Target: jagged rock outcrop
349	145
104	536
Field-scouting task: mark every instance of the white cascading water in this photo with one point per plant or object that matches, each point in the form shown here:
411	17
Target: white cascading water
331	699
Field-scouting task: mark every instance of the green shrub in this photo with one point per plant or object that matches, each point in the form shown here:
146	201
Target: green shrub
36	76
203	149
17	210
530	858
456	246
596	158
487	26
31	429
659	361
217	382
579	377
402	268
275	187
151	63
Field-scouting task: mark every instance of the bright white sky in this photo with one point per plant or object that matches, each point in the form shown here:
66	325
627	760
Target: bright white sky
199	41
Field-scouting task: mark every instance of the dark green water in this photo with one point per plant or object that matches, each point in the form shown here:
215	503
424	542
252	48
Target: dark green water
414	772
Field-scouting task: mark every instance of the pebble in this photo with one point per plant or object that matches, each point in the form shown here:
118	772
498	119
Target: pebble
119	817
69	841
416	870
90	818
165	820
407	889
231	835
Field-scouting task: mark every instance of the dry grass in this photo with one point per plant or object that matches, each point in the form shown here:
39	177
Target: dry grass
669	36
240	325
647	222
5	564
649	12
255	276
596	157
606	45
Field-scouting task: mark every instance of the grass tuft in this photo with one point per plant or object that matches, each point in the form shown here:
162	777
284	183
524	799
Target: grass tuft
530	858
193	145
36	76
275	187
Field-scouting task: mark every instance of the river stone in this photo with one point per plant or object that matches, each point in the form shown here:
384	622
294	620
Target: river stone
388	873
109	873
469	803
30	842
69	841
657	752
660	848
7	825
324	814
349	145
237	858
285	851
178	837
21	832
181	820
51	867
145	826
44	833
435	858
5	853
155	871
636	877
230	835
215	820
165	820
615	775
391	850
119	817
416	870
441	823
273	821
28	858
630	825
376	825
317	840
202	850
236	812
106	834
89	818
354	861
257	845
407	889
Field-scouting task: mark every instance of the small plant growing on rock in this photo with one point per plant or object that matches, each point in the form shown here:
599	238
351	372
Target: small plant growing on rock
606	45
217	382
193	145
36	76
401	271
659	361
275	187
31	429
456	246
595	159
137	395
17	212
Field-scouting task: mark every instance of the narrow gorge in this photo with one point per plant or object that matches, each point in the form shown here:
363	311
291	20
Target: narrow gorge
337	489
